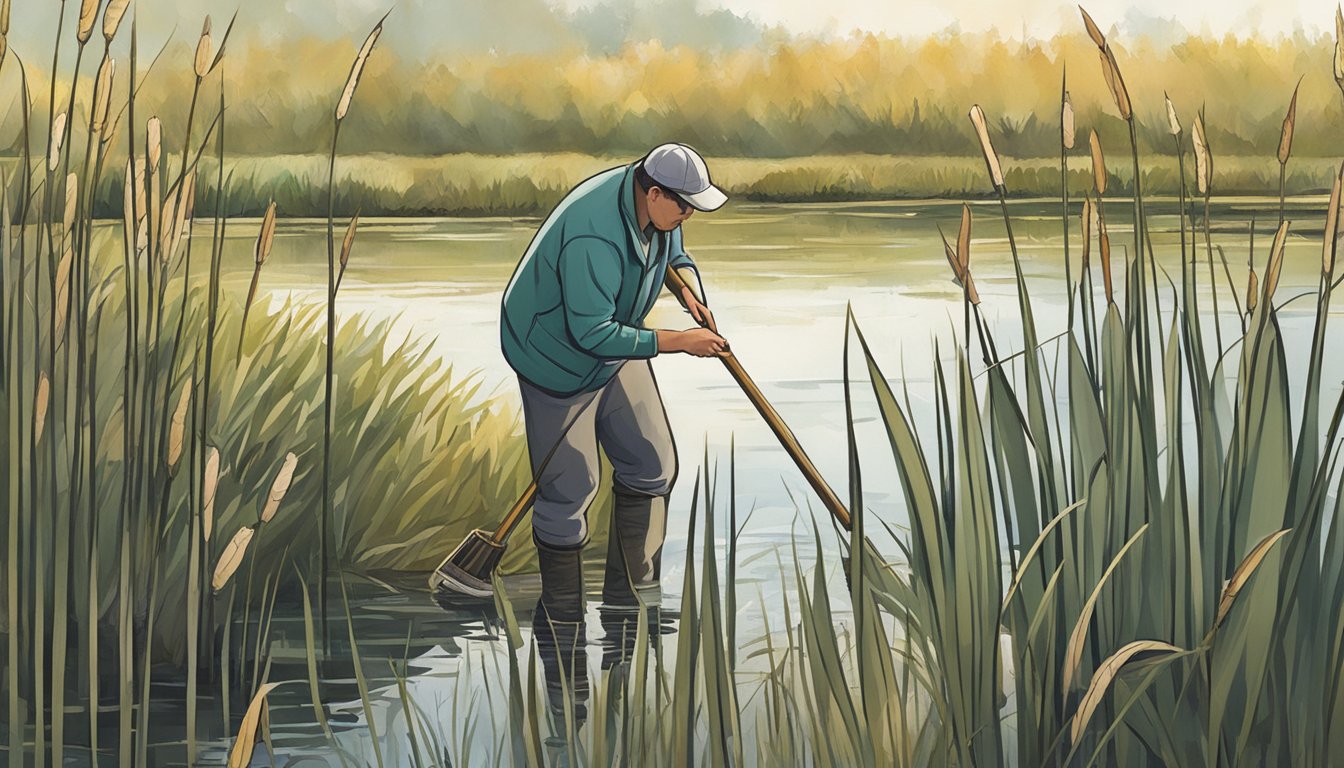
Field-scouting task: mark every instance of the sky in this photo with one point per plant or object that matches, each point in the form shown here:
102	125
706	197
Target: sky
429	28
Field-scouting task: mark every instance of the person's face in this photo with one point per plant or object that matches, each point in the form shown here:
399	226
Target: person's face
666	211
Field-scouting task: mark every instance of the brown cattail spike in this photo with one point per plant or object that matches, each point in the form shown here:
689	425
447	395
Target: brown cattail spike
209	488
177	431
1275	262
357	69
203	46
977	116
1173	125
57	139
102	93
1286	135
154	141
1093	31
1066	121
349	241
40	407
280	487
1331	235
1111	70
1203	157
231	559
266	237
88	13
116	9
1085	223
1098	164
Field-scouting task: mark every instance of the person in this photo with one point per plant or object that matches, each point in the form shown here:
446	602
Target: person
572	329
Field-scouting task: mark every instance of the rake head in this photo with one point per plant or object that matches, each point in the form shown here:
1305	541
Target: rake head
468	569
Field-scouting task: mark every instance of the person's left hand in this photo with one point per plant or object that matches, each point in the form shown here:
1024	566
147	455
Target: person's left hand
698	310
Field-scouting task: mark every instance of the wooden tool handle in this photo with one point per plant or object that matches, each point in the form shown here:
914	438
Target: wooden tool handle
772	418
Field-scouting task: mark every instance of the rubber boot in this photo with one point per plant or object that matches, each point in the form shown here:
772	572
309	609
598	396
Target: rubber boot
558	625
634	548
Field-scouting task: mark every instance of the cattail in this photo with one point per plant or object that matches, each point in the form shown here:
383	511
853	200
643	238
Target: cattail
116	9
203	46
1093	31
1173	125
209	487
102	93
986	147
4	17
88	13
1332	224
356	70
231	559
964	254
1252	297
40	407
177	431
349	241
57	138
1104	246
1203	158
1116	82
280	487
262	249
1085	222
1066	121
1098	164
1286	135
1275	261
154	140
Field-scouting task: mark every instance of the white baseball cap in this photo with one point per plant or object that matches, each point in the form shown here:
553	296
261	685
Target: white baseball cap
680	169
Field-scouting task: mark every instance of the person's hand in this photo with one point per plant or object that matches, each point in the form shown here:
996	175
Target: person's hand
700	342
698	310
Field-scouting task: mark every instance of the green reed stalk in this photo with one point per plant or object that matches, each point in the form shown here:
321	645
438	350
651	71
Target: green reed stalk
130	415
1066	140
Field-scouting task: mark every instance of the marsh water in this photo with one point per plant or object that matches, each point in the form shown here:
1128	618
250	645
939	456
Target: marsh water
779	279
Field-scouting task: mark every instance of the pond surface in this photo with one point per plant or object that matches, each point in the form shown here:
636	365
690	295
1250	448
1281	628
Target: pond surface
779	279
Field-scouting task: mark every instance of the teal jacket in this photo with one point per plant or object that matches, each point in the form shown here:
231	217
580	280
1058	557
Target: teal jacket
575	307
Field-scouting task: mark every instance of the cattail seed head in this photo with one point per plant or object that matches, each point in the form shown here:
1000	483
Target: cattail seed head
231	558
280	487
177	431
116	9
102	93
1098	163
1093	31
57	139
1173	125
1066	121
4	17
1332	224
266	237
356	70
987	147
154	141
1111	71
349	241
209	488
1085	223
1252	293
1286	135
40	406
88	13
203	50
1203	157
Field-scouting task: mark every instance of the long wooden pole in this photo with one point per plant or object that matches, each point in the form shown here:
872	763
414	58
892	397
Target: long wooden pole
763	407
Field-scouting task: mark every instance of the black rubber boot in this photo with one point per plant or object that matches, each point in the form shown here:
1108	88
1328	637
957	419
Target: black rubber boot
558	625
634	548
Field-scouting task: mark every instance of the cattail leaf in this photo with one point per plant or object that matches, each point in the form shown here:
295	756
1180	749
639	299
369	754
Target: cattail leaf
88	14
1098	164
40	406
1073	656
241	754
231	558
57	139
1085	223
357	68
1244	572
280	487
177	429
1286	134
1203	157
1173	125
209	488
1066	121
1106	674
1093	31
987	147
1330	236
262	250
203	50
1275	261
951	253
116	9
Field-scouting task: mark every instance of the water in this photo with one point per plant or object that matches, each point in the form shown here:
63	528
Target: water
779	279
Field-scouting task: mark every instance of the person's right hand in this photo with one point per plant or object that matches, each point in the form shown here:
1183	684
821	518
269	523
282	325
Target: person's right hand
700	342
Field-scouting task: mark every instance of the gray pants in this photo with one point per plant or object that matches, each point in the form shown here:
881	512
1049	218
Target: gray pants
630	424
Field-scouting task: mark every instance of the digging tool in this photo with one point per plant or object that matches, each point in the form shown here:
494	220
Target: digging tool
468	569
